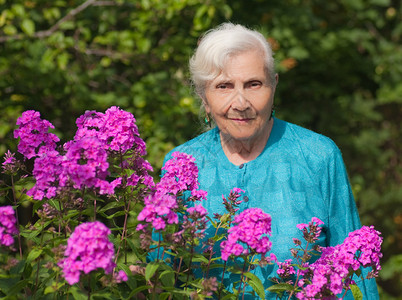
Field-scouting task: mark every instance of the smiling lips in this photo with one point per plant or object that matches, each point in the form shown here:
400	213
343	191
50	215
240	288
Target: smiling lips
240	120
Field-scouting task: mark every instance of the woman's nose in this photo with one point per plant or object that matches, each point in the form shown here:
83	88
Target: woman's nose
240	101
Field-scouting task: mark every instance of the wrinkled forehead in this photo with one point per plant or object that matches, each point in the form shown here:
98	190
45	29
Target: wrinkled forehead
251	66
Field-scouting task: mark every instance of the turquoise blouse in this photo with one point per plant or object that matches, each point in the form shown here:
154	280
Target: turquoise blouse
299	175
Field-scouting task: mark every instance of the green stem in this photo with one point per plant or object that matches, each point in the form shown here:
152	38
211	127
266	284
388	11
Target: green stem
210	255
242	277
124	233
16	216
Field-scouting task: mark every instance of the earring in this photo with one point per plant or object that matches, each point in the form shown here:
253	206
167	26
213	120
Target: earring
272	112
207	121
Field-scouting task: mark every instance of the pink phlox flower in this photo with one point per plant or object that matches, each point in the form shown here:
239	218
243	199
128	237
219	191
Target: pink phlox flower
159	210
89	124
86	165
312	230
120	132
285	268
34	136
237	191
8	225
198	211
9	162
116	129
251	228
88	249
120	276
329	274
47	173
301	226
181	174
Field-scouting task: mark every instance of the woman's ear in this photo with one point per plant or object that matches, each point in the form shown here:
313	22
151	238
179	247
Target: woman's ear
205	104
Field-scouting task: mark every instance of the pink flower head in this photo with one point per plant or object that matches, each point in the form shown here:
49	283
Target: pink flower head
311	231
329	274
88	249
252	227
85	165
285	269
7	225
181	174
47	171
9	162
116	129
34	136
121	276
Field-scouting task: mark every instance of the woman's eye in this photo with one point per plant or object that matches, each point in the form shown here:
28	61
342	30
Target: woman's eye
222	86
254	84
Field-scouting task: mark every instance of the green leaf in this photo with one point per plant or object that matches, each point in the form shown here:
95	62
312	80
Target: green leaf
34	254
111	205
78	294
167	277
357	294
53	288
151	269
200	258
256	284
280	288
137	290
230	296
28	26
17	287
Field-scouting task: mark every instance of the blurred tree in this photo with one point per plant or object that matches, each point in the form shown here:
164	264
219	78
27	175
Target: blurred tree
340	66
64	57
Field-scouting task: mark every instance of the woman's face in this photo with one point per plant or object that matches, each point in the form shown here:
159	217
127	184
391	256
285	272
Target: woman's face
240	99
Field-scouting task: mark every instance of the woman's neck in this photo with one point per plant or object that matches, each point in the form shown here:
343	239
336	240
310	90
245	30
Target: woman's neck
243	151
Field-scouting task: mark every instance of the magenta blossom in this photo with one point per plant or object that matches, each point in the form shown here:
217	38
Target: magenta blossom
7	225
285	269
9	164
116	129
252	227
34	136
86	165
88	249
181	175
47	171
312	230
328	276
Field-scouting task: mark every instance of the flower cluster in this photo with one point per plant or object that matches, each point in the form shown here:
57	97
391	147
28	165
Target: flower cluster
47	171
252	227
159	210
7	225
116	129
231	204
85	161
34	136
180	175
195	221
9	164
86	165
88	249
311	231
285	269
329	275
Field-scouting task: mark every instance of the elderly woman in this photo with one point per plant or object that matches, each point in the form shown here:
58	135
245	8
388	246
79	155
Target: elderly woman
289	172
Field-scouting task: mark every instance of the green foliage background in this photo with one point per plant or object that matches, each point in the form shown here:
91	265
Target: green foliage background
339	63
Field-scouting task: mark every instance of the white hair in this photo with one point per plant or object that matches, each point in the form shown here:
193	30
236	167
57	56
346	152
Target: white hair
218	45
